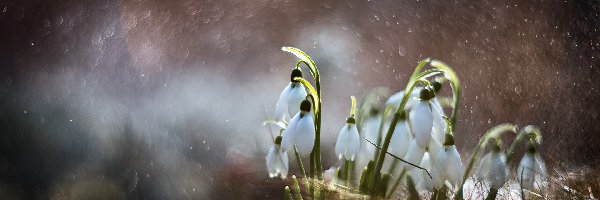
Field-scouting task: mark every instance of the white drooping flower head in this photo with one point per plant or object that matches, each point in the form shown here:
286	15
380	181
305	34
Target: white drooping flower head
300	131
290	98
277	161
423	180
348	141
531	173
401	138
371	131
421	118
493	168
396	99
450	163
414	155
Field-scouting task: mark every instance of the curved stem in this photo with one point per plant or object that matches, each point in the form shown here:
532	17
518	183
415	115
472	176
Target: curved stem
384	115
312	91
455	84
353	108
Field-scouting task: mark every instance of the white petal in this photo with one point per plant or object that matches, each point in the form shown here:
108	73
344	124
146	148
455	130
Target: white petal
414	155
483	170
455	169
353	145
400	140
289	101
305	134
348	142
526	171
281	108
396	99
434	148
284	166
271	162
296	95
540	178
421	122
499	171
439	126
290	133
371	131
342	142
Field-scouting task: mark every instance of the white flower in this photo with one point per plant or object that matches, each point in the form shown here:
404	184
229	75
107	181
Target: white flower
532	171
493	168
434	148
439	126
421	122
424	181
396	99
371	131
401	139
277	161
290	98
414	155
348	141
450	164
300	131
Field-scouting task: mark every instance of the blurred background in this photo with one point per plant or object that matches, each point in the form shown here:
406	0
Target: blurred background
138	99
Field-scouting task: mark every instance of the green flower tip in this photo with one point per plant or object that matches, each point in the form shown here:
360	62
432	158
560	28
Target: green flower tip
449	140
305	106
351	120
437	86
278	140
426	94
296	73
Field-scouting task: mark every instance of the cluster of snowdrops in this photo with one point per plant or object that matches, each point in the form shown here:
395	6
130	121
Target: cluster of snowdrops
411	135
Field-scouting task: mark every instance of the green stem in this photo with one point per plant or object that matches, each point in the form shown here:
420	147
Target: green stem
455	84
384	115
347	172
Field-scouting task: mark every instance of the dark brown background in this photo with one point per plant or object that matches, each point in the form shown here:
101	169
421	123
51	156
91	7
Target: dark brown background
164	99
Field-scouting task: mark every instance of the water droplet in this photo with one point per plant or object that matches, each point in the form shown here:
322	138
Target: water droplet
517	89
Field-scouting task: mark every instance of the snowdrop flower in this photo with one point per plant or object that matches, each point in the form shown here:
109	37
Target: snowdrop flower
348	141
401	138
290	98
277	161
493	168
439	125
532	170
396	99
414	154
371	130
300	131
449	161
423	180
421	118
